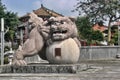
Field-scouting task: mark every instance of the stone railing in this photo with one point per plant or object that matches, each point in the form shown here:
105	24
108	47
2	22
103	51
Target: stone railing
90	53
99	52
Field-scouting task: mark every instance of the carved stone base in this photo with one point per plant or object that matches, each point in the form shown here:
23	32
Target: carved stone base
44	68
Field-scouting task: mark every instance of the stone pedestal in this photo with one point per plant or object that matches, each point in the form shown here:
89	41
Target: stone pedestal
43	68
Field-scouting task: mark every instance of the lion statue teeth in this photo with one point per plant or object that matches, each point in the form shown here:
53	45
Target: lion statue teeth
55	31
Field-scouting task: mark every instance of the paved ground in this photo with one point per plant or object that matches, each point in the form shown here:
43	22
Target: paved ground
99	70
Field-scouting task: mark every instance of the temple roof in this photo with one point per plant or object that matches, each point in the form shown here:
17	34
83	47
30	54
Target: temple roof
43	11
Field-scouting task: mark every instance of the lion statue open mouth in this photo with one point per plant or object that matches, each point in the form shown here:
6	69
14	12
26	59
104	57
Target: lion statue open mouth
61	28
59	34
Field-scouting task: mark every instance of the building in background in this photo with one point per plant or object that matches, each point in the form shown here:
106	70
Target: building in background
115	33
102	29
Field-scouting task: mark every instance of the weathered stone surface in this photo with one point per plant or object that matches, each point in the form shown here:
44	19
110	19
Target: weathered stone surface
68	52
44	68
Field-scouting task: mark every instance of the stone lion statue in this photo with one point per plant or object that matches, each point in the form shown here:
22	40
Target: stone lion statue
62	28
35	43
44	35
65	46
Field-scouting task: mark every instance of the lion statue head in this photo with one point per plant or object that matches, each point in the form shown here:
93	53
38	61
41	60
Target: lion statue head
61	28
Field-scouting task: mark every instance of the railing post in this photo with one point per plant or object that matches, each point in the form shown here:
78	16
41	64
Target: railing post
2	41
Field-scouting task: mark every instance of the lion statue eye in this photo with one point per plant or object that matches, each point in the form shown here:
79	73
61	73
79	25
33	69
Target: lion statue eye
62	22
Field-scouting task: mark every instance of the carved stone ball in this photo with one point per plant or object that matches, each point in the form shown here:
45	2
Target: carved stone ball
63	52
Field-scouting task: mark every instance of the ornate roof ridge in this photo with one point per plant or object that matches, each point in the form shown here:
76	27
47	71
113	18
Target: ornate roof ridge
48	10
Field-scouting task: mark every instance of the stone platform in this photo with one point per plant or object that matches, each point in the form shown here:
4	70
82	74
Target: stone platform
96	70
44	68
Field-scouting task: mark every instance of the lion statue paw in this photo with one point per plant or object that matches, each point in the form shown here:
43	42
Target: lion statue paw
19	62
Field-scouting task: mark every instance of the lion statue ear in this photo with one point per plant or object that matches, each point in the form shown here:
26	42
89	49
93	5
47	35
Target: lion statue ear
52	19
73	19
28	13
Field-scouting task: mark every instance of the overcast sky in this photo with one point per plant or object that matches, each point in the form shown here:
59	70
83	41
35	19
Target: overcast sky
23	6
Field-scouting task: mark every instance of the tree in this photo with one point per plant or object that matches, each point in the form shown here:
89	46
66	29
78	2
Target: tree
114	30
84	27
11	21
97	36
2	10
105	10
86	32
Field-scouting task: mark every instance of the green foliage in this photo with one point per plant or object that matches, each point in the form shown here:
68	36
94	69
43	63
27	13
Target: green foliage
6	48
97	10
84	27
2	10
97	35
9	36
86	32
114	39
6	60
11	18
11	21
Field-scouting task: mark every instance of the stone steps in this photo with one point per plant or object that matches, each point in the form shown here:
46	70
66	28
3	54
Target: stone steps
46	76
